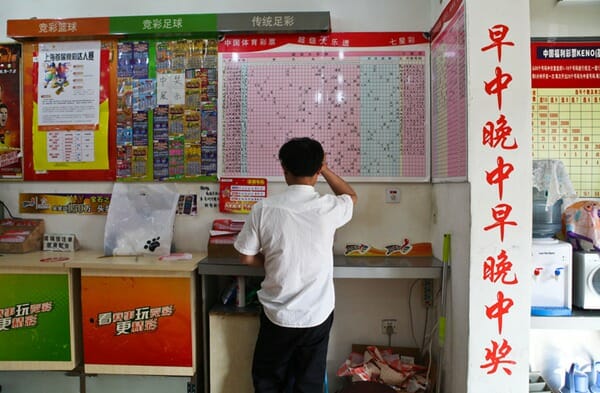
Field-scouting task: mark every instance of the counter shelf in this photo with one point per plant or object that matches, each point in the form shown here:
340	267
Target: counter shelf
212	270
343	267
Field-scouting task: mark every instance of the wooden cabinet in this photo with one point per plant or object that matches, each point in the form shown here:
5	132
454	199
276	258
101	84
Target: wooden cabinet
117	315
138	315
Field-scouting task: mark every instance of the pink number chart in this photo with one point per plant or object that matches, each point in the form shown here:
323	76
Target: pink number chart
449	96
362	95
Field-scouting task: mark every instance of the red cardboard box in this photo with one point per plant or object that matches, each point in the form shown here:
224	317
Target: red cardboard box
19	236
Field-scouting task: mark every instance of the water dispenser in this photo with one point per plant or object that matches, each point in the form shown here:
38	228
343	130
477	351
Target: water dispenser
551	277
551	258
551	261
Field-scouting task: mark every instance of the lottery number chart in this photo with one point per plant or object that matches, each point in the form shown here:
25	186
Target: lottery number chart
566	109
566	126
449	97
367	107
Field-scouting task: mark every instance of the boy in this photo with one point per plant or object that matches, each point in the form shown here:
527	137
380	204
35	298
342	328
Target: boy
291	235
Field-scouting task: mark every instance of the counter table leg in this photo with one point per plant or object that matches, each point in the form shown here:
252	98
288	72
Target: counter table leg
209	295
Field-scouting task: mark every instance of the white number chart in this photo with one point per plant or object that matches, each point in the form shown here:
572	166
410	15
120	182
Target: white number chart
565	127
367	105
70	146
566	108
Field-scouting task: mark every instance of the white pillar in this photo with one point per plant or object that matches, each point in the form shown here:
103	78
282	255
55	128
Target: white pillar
499	172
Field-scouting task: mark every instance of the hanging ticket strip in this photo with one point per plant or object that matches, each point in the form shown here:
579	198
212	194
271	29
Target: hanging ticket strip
156	119
167	110
566	108
364	96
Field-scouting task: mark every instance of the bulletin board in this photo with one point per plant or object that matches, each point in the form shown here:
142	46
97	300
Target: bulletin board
566	108
364	96
157	116
449	95
156	78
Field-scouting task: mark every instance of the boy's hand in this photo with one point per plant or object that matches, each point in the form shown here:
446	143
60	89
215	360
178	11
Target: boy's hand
338	185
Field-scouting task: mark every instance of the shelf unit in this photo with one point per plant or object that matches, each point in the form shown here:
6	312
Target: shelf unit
344	267
579	319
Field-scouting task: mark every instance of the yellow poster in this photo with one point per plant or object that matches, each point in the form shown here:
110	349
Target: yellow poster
71	107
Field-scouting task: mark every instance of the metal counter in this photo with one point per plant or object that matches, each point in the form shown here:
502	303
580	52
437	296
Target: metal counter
344	267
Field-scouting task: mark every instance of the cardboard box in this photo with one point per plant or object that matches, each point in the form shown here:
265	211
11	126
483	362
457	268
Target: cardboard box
221	251
19	236
221	239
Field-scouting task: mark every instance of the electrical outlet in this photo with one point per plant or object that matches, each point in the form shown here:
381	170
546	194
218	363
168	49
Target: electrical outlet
427	292
388	326
392	195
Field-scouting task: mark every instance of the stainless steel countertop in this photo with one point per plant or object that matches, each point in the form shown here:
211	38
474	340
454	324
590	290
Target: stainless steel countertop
344	267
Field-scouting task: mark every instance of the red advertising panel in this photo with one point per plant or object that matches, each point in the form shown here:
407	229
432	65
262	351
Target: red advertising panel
565	64
137	321
238	195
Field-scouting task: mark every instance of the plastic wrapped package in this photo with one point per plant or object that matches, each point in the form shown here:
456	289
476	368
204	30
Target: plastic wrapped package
582	225
140	219
551	177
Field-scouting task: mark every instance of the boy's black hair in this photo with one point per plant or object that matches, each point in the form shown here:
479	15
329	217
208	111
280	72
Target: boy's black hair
302	156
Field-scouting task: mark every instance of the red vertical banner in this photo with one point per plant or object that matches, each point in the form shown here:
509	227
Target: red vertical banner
11	164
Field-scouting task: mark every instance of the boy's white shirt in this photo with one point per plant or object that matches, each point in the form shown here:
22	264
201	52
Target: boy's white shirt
294	230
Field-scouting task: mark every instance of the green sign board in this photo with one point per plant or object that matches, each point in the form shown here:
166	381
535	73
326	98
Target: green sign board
34	317
164	24
213	24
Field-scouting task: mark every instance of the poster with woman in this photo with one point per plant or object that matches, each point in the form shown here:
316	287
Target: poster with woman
10	113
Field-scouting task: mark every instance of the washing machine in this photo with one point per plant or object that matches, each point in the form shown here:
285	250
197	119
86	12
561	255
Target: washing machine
586	279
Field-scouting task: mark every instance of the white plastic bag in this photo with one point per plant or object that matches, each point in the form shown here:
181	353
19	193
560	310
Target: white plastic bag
140	219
